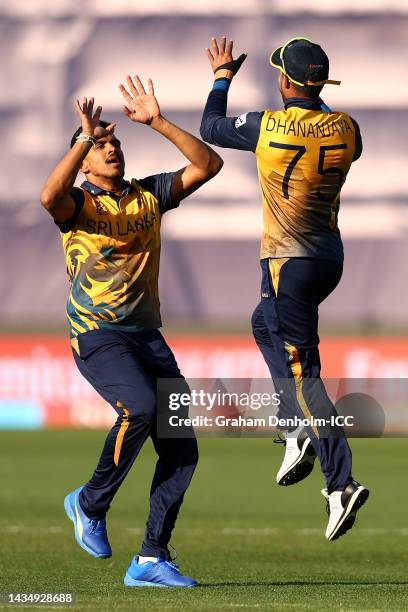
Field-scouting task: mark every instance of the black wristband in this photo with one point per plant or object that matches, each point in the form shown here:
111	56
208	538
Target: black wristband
234	65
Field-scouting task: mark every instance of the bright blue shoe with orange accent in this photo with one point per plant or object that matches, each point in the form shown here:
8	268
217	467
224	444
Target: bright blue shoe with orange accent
89	533
161	574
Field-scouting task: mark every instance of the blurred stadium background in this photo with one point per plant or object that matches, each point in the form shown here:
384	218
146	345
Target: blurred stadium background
250	544
56	51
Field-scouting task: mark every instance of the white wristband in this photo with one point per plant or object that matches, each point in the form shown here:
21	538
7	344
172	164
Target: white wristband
86	138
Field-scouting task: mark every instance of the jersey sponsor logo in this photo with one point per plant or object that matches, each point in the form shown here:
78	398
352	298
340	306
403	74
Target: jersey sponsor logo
101	208
241	120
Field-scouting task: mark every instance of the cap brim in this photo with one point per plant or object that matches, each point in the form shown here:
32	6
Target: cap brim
275	59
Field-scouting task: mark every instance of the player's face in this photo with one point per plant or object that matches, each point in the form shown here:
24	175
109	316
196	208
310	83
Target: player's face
106	159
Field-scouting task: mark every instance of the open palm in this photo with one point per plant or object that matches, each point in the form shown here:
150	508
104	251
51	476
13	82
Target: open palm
141	107
90	121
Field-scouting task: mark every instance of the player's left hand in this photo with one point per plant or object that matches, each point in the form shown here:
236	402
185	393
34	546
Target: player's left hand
141	107
221	60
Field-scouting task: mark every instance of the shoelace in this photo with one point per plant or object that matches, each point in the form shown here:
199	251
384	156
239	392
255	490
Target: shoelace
97	526
171	567
172	553
328	508
280	440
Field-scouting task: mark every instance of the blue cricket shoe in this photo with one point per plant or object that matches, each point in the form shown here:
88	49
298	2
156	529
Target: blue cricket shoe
89	533
161	574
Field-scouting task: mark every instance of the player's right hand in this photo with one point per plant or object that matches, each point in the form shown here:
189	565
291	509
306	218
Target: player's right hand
90	120
221	60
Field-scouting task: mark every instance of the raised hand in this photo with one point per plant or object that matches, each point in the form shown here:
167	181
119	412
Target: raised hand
220	57
90	120
141	107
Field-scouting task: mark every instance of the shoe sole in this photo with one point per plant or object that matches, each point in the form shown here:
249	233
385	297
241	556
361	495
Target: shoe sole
301	468
131	582
70	514
347	520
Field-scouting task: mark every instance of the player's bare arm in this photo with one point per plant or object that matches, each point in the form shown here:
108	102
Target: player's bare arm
55	196
142	107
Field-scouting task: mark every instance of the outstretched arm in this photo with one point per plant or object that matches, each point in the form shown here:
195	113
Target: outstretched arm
55	196
216	128
205	163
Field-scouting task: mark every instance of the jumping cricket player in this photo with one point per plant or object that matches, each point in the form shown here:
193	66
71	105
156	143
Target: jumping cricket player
303	152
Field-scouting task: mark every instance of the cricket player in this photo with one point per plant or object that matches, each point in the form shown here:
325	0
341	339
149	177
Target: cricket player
110	229
303	152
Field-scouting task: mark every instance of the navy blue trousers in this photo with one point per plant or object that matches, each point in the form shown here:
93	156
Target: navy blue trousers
124	367
285	327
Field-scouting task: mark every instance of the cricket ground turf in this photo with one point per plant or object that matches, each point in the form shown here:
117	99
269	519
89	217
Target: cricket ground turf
250	543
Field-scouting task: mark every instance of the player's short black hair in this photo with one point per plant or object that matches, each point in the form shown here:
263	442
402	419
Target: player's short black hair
79	130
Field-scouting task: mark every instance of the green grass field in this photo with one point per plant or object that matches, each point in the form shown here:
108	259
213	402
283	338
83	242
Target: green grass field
251	544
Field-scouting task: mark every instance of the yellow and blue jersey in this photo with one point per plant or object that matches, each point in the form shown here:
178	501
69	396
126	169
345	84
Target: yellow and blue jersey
303	154
112	251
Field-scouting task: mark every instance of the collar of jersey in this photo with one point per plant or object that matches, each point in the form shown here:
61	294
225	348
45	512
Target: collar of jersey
95	190
308	103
